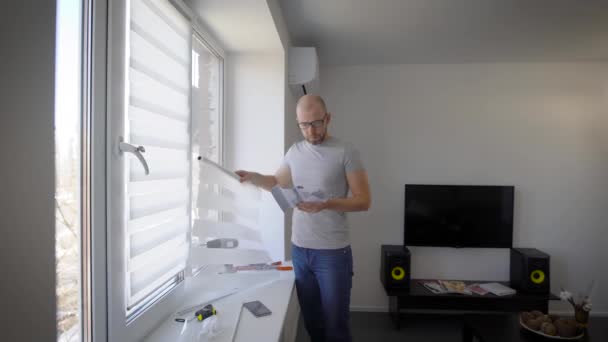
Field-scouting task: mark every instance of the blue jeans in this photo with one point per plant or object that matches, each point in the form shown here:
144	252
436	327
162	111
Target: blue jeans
323	283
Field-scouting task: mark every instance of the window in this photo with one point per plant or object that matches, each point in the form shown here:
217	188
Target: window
221	207
207	119
206	101
165	110
149	163
68	161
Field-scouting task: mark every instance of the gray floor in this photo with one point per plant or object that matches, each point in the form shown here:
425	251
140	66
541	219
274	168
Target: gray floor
376	326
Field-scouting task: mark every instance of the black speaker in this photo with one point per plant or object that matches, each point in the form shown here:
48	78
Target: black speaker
530	270
395	267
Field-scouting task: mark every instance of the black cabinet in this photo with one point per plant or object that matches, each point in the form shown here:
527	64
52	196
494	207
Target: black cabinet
420	298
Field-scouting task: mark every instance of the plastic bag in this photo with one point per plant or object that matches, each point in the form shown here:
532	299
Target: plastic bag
187	332
209	329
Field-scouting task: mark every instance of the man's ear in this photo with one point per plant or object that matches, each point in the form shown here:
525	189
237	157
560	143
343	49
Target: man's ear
328	117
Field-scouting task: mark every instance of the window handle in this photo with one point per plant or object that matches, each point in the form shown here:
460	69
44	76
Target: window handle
137	151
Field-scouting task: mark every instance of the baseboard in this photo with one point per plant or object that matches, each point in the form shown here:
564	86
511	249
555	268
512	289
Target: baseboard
571	313
359	308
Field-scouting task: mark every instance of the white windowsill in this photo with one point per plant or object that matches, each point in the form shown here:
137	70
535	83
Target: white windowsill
273	288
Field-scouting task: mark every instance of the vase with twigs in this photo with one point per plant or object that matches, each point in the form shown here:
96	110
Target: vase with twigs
582	305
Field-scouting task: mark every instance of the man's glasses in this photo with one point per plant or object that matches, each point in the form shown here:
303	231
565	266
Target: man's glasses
313	124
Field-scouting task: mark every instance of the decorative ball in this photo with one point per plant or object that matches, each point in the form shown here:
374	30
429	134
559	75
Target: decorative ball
545	319
534	324
548	328
566	327
526	316
537	313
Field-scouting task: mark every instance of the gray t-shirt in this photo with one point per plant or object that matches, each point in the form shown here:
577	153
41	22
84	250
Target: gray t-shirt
323	168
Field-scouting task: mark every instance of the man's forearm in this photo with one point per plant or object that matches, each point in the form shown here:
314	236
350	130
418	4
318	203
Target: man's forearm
348	204
266	182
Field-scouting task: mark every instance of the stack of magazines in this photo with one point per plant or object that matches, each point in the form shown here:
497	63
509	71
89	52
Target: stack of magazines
498	289
446	286
459	287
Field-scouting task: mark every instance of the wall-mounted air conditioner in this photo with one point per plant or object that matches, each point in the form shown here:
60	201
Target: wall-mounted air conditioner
303	71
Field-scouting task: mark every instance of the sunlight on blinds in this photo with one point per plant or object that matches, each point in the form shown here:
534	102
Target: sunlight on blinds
158	117
226	224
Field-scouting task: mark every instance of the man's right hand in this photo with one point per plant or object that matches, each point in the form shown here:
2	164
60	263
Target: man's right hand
246	176
263	181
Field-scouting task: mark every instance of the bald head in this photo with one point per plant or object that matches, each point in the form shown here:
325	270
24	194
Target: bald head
313	118
308	102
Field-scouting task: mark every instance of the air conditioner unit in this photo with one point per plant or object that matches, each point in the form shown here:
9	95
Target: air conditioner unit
303	71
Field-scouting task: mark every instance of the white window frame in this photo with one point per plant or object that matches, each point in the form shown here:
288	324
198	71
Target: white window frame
86	20
98	92
212	44
208	42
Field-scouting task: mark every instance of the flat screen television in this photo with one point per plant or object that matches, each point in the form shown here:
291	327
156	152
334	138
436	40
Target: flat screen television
458	216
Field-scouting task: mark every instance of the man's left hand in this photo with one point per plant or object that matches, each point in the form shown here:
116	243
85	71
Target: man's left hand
312	207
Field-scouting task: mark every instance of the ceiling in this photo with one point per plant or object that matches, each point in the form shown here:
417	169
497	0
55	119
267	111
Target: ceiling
349	32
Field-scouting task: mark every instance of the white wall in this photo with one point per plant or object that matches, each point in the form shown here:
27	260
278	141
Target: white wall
290	326
291	132
540	127
254	128
292	135
27	208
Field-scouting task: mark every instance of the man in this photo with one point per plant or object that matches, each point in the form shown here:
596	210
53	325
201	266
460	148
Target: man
321	254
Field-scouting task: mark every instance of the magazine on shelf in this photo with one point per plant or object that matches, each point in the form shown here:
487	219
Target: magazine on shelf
434	287
477	289
455	286
446	286
498	289
459	287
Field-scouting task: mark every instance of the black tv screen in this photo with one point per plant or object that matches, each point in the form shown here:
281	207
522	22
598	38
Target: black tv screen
458	216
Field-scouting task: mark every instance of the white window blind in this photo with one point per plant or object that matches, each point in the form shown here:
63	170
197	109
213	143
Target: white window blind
221	207
226	209
157	211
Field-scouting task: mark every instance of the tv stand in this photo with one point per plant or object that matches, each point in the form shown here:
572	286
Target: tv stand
420	297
